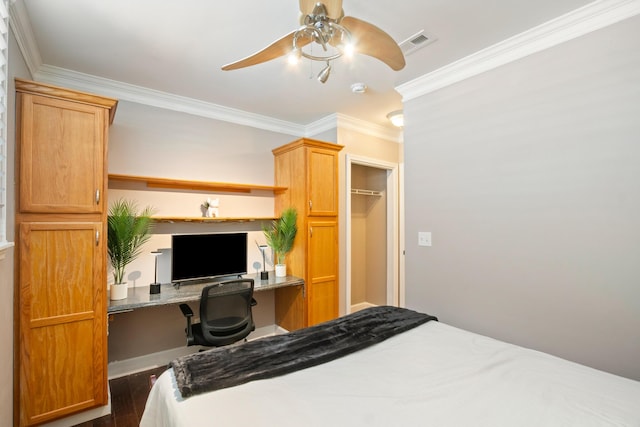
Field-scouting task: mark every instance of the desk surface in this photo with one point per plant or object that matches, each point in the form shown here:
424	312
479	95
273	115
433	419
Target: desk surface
140	297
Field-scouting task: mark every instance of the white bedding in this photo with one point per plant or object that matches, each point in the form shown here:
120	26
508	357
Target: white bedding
433	375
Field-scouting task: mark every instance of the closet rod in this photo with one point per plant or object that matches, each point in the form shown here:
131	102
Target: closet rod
365	192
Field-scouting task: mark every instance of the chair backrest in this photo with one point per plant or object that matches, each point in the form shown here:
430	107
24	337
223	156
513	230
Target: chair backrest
225	311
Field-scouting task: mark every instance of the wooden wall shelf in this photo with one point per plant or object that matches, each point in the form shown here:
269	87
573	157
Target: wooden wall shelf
174	219
195	185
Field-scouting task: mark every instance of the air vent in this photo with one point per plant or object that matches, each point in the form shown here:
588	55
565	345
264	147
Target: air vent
416	41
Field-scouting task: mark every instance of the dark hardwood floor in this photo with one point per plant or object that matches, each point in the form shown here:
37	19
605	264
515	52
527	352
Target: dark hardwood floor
128	396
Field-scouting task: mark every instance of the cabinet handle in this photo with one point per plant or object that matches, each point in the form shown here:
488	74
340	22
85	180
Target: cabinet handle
97	238
311	231
310	205
98	197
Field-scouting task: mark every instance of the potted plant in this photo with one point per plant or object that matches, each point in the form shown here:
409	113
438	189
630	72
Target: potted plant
280	235
127	230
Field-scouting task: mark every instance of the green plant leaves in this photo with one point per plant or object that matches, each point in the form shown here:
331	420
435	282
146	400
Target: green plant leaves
128	230
281	233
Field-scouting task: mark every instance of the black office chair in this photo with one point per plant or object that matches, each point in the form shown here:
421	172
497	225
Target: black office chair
225	314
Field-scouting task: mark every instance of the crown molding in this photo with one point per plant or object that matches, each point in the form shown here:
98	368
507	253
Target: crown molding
586	19
155	98
342	121
324	124
362	126
21	27
141	95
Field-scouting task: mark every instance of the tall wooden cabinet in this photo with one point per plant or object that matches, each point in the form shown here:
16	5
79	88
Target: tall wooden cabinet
309	169
60	296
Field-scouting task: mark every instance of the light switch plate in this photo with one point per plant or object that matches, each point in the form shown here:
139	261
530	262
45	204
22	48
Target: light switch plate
424	238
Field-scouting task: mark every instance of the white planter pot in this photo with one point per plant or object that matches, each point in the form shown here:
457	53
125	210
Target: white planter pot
119	291
281	270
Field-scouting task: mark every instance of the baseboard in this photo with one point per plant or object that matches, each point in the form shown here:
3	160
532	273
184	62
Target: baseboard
265	331
133	365
280	330
125	367
361	306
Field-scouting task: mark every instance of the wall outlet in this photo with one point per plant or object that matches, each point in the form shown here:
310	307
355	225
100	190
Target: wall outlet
424	238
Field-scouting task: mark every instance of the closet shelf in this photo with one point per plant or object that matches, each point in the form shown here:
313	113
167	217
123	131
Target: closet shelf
363	192
180	184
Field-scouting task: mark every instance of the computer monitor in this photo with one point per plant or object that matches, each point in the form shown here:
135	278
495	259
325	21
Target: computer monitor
205	256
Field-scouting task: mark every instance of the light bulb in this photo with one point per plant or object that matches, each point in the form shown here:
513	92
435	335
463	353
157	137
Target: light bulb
349	49
294	57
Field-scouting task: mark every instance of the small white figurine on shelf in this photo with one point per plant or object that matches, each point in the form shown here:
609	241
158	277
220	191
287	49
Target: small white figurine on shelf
211	208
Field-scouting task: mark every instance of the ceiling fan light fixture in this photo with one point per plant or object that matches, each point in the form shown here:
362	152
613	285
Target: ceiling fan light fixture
323	36
327	26
324	73
396	118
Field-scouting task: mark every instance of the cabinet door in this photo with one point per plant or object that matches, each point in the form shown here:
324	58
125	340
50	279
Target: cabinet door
62	152
62	320
322	182
323	271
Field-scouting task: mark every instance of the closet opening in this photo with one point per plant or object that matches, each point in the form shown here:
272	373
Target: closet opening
372	234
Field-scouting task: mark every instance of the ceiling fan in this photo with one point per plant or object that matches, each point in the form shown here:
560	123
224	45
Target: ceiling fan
323	23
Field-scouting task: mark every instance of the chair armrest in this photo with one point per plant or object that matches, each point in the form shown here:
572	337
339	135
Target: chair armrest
186	310
253	302
188	313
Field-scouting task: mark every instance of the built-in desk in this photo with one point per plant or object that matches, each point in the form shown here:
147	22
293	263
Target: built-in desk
169	294
146	331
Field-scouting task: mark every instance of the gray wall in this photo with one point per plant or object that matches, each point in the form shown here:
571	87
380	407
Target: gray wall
528	176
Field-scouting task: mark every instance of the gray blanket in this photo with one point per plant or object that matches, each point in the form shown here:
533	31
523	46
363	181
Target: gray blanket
281	354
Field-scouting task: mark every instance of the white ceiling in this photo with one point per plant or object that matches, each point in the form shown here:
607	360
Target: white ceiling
178	46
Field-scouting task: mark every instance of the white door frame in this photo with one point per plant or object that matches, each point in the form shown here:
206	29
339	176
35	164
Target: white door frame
401	237
393	231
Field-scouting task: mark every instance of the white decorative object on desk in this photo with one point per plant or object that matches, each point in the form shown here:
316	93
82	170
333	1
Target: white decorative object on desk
211	208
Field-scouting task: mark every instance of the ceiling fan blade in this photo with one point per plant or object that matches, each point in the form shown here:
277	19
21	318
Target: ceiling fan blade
280	47
372	41
334	7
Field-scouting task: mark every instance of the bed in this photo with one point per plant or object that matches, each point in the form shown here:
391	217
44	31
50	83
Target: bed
426	374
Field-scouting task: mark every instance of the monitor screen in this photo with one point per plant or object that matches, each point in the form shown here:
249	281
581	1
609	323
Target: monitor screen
201	256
